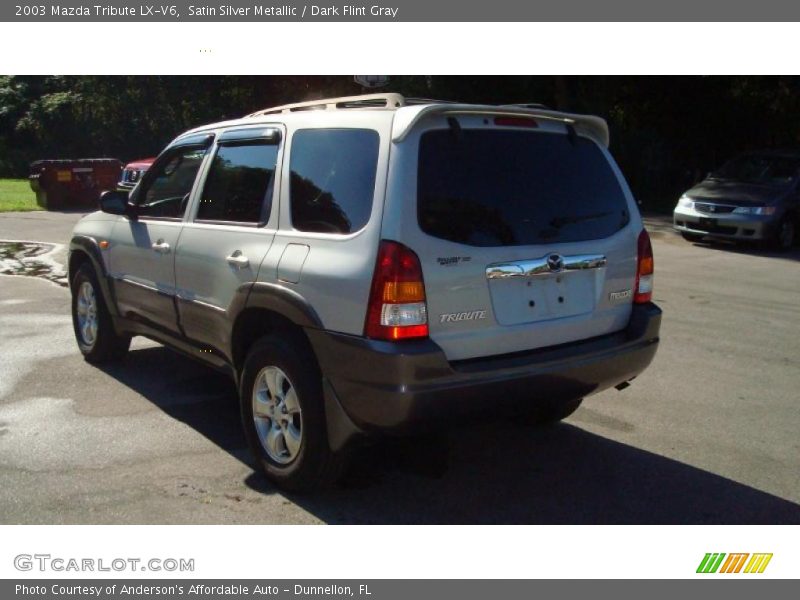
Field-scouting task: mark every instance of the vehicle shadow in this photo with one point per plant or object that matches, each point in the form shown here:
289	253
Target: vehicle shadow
499	472
747	249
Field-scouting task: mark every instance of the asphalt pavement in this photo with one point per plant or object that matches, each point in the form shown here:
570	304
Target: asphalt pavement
708	434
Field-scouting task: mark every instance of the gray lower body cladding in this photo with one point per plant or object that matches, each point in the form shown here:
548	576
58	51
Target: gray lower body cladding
398	387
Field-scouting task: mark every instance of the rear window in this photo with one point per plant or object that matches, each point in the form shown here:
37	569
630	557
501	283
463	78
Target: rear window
515	188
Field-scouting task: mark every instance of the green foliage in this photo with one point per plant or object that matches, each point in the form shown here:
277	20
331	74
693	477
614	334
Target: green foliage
665	131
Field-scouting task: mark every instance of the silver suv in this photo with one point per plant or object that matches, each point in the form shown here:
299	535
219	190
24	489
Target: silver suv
377	264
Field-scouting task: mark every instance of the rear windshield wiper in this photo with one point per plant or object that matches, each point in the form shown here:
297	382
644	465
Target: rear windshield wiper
560	222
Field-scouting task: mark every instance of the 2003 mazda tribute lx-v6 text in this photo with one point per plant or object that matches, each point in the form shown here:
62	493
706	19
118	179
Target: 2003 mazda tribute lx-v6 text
377	264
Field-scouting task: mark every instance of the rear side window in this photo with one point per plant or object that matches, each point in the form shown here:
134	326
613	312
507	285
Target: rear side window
513	188
239	184
333	179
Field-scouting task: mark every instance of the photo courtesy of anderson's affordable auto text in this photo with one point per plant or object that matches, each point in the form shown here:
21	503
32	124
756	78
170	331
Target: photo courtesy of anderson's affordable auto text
266	294
202	590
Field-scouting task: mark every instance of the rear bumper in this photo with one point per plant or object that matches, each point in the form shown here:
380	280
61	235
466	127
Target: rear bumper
396	387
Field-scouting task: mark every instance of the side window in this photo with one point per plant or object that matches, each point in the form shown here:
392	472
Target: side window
239	184
167	193
333	179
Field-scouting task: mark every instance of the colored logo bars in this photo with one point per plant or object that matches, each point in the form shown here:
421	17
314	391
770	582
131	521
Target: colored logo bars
713	563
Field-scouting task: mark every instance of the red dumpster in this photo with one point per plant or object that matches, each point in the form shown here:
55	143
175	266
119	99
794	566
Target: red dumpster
61	184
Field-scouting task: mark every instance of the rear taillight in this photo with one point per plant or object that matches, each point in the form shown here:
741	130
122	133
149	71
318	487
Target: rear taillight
643	292
397	309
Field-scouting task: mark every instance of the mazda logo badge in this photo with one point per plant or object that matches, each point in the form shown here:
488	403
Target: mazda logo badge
555	262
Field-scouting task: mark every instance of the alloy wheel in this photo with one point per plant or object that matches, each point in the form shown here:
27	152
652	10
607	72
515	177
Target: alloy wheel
86	307
277	415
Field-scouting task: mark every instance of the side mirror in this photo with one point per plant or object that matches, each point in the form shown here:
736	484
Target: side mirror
115	203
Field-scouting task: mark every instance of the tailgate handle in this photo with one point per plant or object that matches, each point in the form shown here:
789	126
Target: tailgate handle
546	265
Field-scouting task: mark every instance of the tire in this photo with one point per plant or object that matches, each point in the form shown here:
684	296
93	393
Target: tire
692	237
785	235
547	412
283	415
91	320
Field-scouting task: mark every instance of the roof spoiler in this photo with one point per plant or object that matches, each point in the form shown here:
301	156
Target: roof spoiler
588	125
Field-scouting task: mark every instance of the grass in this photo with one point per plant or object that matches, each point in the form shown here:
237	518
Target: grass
16	194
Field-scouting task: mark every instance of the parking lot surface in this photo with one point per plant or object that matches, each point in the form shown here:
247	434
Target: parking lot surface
708	434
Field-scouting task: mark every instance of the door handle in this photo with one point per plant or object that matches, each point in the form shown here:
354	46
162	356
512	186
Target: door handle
238	260
160	246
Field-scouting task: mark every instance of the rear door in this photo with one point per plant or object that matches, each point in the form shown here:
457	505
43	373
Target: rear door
231	229
525	230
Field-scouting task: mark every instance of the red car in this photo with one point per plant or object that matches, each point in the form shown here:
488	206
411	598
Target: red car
133	172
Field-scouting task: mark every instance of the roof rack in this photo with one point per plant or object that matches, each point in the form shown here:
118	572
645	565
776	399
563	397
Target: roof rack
365	101
414	101
389	101
385	101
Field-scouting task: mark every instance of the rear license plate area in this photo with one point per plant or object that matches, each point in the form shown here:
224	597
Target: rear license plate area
520	300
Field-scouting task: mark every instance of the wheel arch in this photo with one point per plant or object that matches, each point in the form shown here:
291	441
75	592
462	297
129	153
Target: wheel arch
85	249
271	308
77	257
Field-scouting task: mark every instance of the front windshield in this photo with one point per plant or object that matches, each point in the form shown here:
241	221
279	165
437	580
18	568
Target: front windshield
760	168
